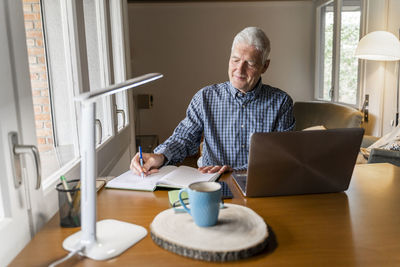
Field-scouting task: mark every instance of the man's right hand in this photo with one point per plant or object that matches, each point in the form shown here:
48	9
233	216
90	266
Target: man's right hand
214	169
151	163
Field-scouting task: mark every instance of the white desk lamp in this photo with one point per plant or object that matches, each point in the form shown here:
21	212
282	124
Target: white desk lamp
107	238
383	46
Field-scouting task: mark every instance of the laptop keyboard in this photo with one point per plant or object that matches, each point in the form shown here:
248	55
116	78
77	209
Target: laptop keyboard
241	179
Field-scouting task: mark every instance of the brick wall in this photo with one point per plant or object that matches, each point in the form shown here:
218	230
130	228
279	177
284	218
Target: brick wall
38	72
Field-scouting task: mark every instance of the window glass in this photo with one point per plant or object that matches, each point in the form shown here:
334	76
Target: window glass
349	36
98	68
54	108
119	45
59	73
337	69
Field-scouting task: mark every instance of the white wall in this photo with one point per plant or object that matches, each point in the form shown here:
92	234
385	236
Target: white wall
190	44
122	165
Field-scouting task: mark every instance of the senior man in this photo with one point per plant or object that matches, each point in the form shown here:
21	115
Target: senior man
226	114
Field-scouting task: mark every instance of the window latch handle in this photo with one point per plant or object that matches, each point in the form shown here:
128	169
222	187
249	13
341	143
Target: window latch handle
16	151
100	135
122	112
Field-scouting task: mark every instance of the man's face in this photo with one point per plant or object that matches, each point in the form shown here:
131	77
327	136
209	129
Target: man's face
245	67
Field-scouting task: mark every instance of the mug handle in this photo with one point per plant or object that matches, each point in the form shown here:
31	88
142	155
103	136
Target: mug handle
183	203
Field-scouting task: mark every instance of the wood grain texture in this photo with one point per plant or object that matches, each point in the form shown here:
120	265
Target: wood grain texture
240	233
359	227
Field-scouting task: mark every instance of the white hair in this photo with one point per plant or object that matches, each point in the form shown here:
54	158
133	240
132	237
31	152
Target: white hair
256	37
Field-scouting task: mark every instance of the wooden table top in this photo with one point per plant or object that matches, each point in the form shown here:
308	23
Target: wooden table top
360	227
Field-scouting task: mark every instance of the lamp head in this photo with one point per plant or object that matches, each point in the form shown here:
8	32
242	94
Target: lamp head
379	45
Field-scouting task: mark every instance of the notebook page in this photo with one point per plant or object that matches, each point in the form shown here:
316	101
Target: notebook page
129	180
184	176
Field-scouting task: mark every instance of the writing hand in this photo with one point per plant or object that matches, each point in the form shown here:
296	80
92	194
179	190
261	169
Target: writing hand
214	169
151	163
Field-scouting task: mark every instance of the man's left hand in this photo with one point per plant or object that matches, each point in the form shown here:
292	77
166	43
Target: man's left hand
214	169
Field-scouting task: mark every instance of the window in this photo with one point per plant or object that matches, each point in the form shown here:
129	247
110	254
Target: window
338	31
54	109
60	69
67	59
99	65
120	57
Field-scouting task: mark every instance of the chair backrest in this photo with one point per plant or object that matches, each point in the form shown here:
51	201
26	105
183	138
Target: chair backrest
330	115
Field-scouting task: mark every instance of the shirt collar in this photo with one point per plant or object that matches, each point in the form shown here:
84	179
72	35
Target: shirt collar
253	93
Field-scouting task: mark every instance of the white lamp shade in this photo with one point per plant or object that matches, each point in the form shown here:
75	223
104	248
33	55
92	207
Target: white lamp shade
379	45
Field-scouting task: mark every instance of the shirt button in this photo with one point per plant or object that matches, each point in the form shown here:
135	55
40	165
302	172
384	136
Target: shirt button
242	125
242	146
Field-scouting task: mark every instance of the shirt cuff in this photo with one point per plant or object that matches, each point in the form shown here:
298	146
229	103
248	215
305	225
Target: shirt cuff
167	155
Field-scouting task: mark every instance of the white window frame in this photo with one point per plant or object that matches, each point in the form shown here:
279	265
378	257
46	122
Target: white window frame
336	52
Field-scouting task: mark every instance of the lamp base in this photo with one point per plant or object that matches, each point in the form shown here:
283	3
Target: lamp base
113	238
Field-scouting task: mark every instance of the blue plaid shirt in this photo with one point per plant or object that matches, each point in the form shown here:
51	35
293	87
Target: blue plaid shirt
227	118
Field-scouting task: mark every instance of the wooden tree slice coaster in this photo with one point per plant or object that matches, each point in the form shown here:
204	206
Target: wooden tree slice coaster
239	233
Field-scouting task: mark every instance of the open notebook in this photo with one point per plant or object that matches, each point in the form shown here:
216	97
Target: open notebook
168	176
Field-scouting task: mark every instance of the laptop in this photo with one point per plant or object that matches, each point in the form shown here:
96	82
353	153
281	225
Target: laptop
300	162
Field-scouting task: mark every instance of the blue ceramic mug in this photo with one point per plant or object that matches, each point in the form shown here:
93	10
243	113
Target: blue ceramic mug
204	200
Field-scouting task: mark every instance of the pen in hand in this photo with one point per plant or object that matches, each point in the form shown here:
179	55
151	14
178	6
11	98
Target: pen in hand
141	161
